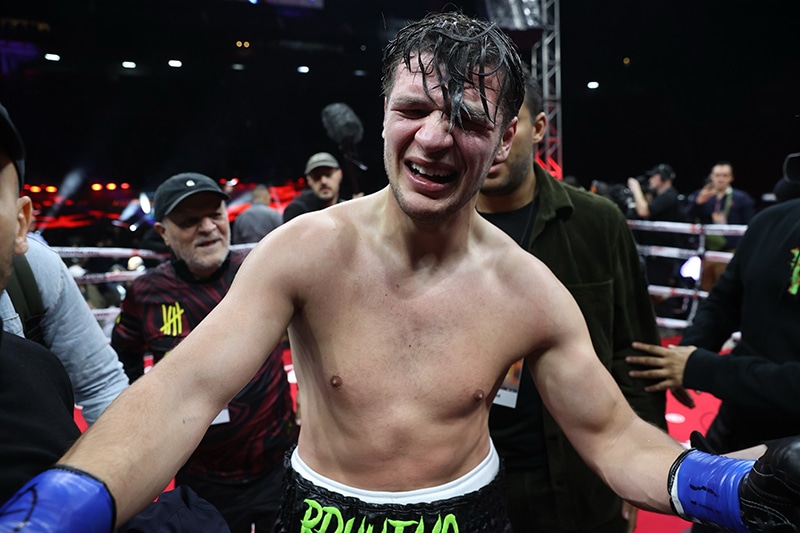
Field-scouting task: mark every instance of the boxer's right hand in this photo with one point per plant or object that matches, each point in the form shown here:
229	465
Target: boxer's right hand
769	495
61	499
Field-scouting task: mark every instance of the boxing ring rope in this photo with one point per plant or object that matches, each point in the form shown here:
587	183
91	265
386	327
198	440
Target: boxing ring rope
701	230
694	294
94	278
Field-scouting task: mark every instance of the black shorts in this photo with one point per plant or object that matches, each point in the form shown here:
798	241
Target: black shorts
308	507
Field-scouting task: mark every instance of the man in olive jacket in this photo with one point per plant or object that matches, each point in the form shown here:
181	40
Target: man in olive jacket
585	240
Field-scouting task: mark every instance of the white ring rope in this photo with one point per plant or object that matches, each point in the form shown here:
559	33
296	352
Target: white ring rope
92	278
701	230
645	225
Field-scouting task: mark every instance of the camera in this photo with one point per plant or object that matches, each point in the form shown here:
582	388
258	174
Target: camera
619	193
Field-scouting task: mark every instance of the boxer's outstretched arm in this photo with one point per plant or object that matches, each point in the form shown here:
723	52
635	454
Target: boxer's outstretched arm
147	435
630	455
149	431
642	463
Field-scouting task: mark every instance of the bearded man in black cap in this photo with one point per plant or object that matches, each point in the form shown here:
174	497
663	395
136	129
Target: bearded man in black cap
238	466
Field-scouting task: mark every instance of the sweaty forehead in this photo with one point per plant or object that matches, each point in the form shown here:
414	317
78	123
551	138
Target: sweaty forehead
424	82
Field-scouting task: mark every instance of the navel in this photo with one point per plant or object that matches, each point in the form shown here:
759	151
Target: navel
478	395
336	381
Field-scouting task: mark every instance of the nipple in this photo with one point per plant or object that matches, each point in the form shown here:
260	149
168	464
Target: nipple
336	381
478	395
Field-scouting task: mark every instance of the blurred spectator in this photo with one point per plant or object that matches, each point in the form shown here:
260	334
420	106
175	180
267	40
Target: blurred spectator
257	220
238	466
656	199
324	177
36	400
788	186
66	326
586	242
717	202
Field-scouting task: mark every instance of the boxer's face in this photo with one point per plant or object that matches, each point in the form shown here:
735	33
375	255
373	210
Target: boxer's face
434	170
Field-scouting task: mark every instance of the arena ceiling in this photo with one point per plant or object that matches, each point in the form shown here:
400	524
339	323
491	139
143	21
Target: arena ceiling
706	81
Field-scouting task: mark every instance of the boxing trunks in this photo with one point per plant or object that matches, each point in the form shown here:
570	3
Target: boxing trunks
315	504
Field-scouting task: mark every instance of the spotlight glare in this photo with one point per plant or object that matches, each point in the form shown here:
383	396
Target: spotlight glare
144	203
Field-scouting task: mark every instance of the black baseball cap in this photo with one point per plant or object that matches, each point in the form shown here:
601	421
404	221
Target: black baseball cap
664	170
11	144
178	188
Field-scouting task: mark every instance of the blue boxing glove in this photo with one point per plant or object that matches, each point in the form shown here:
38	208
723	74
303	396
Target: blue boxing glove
740	496
62	499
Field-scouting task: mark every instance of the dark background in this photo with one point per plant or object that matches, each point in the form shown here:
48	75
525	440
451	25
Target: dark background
707	81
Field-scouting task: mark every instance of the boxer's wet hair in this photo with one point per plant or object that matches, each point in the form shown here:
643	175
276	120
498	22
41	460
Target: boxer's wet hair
458	51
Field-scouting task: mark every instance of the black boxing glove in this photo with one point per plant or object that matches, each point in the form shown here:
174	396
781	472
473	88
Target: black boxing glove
769	495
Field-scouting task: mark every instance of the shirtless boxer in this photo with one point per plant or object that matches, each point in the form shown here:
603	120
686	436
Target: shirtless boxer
405	309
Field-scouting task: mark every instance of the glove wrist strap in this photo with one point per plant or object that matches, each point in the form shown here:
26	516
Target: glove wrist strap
704	488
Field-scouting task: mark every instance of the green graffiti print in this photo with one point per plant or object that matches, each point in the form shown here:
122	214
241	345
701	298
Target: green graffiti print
326	519
795	280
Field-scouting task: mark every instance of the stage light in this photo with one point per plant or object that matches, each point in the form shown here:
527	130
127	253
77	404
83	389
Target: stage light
52	57
51	188
128	64
302	69
175	63
237	66
97	187
593	85
111	186
35	188
125	186
144	203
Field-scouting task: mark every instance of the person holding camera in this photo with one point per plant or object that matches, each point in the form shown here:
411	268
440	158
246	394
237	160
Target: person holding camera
658	201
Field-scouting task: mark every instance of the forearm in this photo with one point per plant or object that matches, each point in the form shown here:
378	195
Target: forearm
129	448
636	466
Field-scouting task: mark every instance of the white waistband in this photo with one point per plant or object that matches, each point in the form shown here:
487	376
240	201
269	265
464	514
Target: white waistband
477	478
